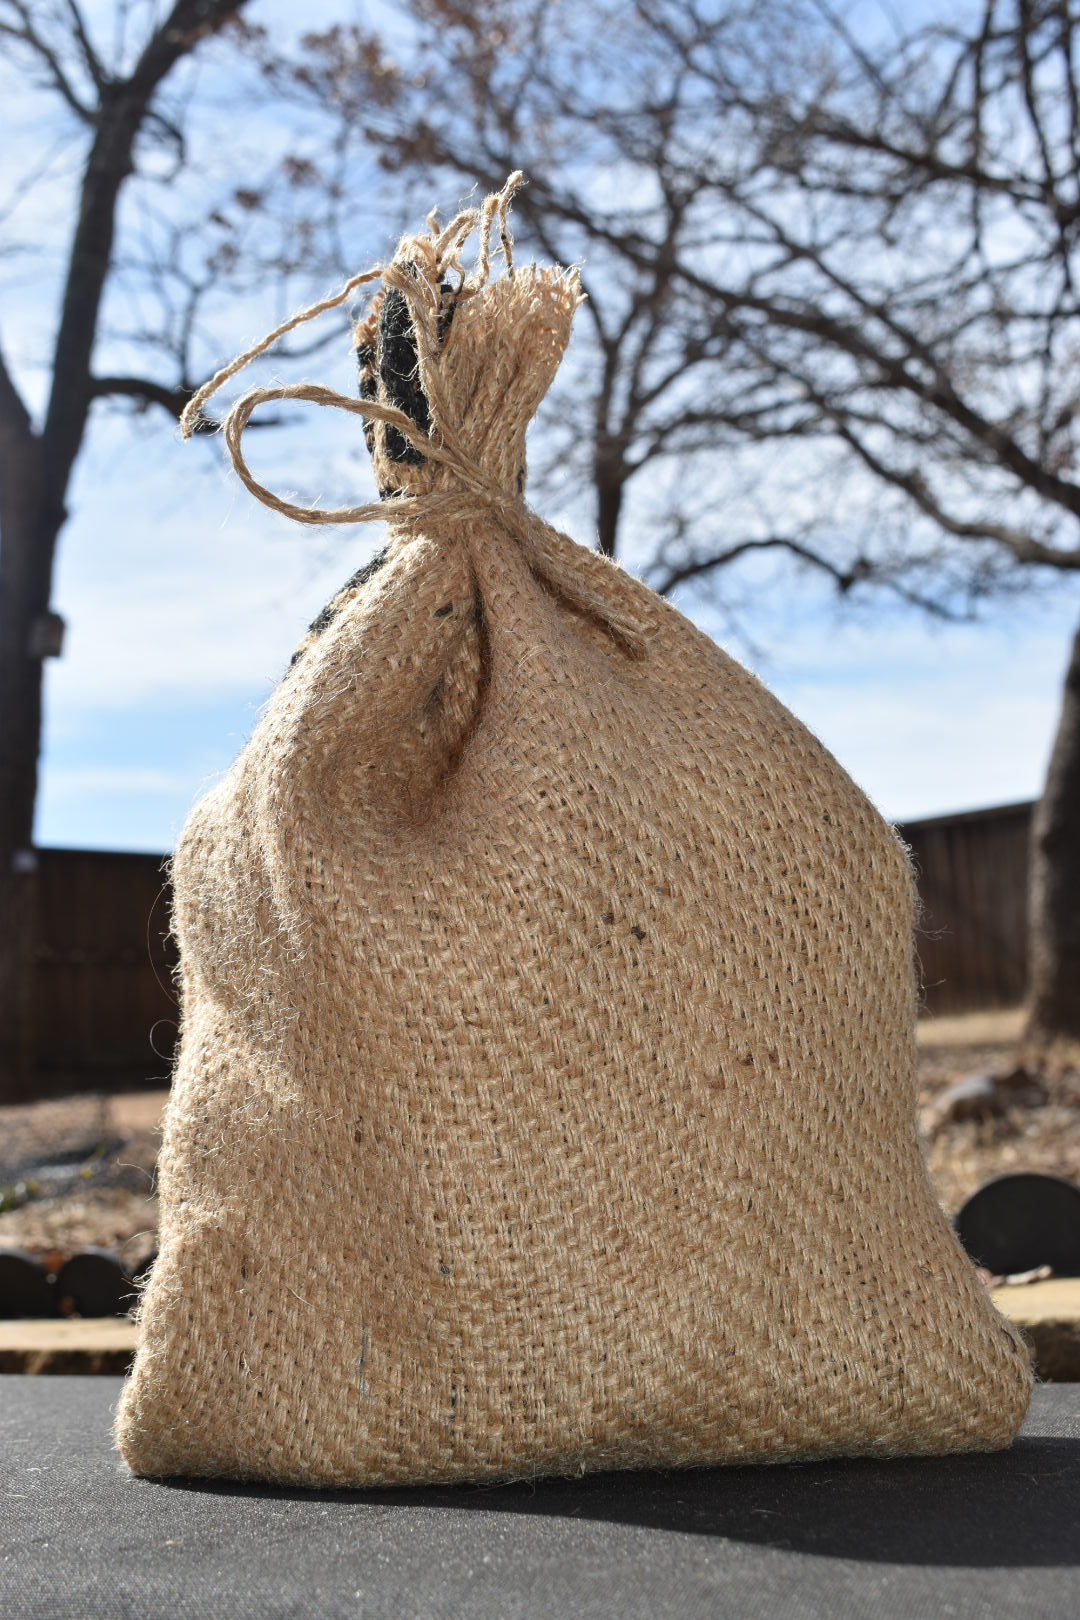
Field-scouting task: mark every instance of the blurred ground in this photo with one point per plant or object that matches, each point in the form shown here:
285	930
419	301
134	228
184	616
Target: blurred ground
79	1171
991	1105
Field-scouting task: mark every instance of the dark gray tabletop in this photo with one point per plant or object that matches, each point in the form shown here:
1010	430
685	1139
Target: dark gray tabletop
961	1537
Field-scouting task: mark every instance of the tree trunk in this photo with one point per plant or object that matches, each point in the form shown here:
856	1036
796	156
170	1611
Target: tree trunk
609	494
34	474
1055	878
28	531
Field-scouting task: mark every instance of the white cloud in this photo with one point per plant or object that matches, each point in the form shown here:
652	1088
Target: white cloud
67	781
929	720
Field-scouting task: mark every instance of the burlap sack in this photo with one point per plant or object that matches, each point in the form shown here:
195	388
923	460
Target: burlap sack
546	1094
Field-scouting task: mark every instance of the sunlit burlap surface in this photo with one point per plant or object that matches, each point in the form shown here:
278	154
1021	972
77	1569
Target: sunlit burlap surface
546	1094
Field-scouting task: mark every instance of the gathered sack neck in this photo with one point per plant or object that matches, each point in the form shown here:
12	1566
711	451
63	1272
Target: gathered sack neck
463	481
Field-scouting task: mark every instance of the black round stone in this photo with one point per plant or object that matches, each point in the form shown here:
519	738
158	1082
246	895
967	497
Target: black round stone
25	1290
94	1283
1016	1223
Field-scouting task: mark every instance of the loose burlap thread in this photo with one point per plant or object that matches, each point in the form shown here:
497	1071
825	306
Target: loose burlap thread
546	1090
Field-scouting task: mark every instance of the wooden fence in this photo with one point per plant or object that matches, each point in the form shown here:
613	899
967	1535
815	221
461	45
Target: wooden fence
972	872
104	1004
105	1010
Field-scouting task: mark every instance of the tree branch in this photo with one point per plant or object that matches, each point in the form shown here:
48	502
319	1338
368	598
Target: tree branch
28	35
148	392
1023	548
91	60
122	112
13	412
171	398
845	579
188	22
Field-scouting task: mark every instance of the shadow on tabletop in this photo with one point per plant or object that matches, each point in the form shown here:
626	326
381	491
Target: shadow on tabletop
1020	1507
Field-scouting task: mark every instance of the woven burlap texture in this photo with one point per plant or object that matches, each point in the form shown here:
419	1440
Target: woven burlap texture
546	1091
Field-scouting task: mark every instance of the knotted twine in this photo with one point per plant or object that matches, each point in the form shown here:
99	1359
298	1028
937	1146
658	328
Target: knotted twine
468	492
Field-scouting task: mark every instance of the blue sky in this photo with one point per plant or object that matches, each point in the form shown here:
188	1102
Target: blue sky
184	600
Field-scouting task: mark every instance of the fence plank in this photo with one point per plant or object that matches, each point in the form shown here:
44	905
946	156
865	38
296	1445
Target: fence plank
105	1008
972	872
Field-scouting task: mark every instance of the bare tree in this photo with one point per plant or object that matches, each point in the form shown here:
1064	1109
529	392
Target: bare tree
121	86
839	250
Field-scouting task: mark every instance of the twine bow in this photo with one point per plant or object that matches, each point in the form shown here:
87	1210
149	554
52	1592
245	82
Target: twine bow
572	571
